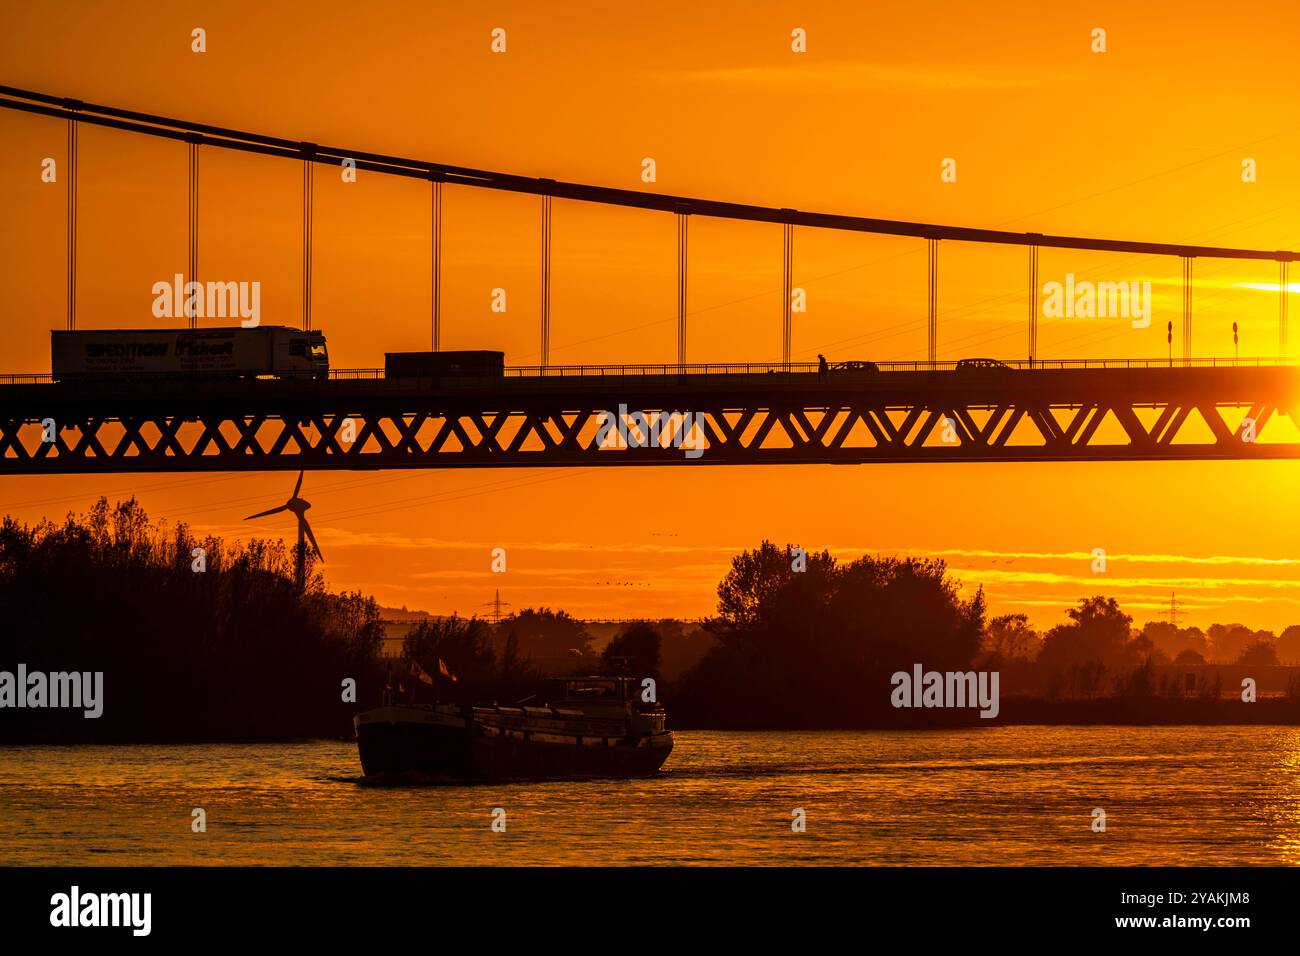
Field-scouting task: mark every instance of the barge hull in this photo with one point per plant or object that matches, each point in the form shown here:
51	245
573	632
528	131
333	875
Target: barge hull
397	740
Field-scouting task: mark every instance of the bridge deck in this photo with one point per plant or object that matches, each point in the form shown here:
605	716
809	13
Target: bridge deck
888	377
741	415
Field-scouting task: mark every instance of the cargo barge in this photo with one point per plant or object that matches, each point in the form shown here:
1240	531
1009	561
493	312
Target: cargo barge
597	728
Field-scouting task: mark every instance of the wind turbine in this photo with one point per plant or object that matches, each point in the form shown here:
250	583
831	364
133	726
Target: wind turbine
299	508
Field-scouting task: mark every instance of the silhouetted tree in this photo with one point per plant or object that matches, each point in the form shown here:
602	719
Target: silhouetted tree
1227	641
1098	631
682	647
760	583
1141	651
1010	637
1170	640
553	641
634	651
225	647
1259	654
510	660
1288	645
1085	679
817	647
1137	684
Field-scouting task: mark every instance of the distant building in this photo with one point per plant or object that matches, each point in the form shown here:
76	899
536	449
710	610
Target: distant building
1192	680
394	638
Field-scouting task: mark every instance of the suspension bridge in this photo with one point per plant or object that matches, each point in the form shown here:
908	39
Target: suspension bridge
782	412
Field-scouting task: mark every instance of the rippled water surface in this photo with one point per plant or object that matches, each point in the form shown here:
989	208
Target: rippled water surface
1010	795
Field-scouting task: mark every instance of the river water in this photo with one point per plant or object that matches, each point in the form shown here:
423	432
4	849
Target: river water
1006	795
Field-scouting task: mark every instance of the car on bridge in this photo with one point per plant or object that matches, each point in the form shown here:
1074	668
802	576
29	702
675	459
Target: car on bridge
857	366
973	364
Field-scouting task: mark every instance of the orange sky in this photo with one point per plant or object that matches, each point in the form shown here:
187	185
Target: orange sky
1144	141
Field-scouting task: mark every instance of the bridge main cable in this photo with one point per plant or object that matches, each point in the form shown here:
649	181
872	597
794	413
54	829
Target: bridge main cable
45	104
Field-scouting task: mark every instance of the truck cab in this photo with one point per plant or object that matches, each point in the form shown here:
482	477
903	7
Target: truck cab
302	354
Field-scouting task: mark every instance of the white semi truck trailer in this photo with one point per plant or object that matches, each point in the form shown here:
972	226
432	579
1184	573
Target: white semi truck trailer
275	351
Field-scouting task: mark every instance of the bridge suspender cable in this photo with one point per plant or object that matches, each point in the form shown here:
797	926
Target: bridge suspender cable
1283	269
1033	303
437	263
787	284
682	261
546	280
193	269
787	289
71	173
932	297
308	196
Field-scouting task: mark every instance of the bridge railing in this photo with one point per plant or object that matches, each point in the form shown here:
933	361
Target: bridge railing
22	379
837	368
778	368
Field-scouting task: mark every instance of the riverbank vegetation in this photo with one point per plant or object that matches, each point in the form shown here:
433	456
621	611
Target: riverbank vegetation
201	639
197	638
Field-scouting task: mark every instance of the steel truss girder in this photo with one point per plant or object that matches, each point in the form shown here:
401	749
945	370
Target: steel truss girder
563	431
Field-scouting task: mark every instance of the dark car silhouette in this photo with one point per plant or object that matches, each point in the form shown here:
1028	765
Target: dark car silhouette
855	367
980	363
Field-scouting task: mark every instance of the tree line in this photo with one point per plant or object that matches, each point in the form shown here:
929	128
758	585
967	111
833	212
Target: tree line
196	638
232	650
